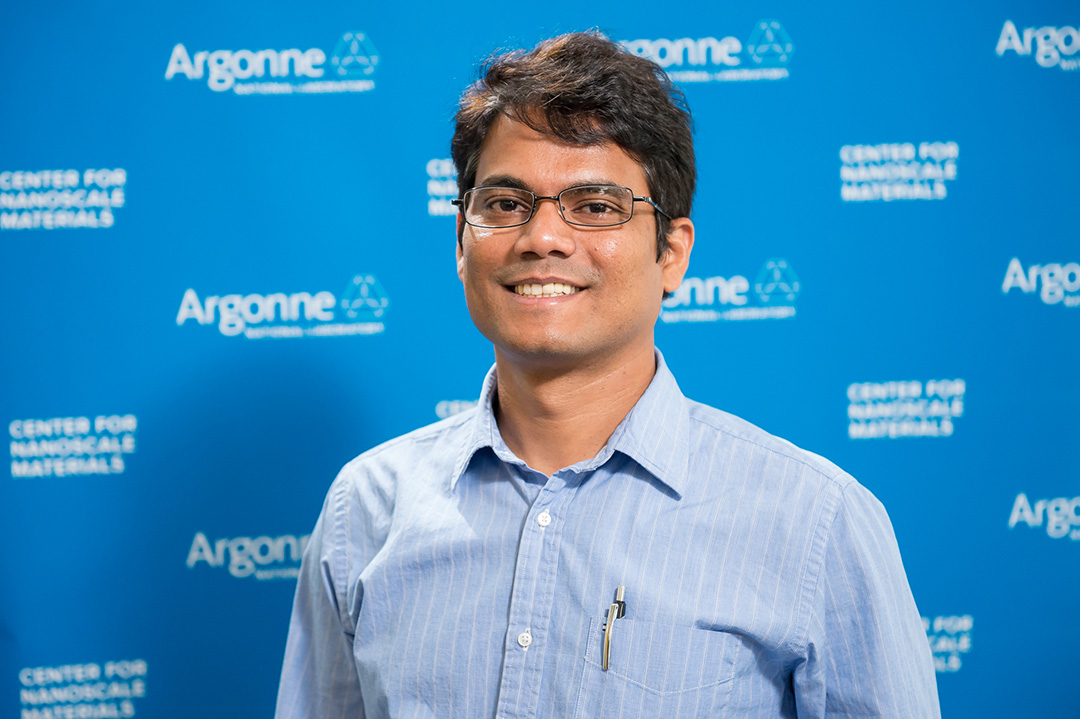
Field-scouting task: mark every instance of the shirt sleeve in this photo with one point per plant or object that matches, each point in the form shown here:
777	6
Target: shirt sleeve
319	679
867	654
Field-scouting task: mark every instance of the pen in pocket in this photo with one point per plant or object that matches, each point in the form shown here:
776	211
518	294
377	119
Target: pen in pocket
617	610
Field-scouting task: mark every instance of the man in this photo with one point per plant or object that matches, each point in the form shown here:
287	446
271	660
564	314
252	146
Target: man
588	542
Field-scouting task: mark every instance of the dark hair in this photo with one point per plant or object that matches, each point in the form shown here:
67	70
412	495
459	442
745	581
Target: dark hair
585	90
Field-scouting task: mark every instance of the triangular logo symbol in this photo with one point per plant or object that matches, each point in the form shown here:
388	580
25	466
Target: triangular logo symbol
777	283
364	299
769	44
354	56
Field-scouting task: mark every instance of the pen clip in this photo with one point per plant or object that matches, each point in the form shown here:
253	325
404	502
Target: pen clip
617	610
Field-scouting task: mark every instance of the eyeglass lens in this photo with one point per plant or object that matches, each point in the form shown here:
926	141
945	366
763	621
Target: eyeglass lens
593	205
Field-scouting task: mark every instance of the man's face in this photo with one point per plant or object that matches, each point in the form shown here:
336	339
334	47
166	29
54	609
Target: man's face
618	279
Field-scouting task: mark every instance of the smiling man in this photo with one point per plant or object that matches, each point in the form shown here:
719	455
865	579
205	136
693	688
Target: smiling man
588	542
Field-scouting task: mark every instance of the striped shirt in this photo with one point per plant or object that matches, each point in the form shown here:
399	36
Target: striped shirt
445	578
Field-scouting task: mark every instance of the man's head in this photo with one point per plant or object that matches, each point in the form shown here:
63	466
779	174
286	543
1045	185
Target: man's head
585	90
562	267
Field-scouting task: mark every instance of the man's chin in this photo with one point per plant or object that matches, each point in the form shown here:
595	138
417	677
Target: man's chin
564	355
550	353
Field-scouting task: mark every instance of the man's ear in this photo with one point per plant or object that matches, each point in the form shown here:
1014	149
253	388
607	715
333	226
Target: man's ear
460	250
676	257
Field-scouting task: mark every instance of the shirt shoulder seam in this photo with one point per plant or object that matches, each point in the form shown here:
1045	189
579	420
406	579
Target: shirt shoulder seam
423	435
340	569
798	456
811	586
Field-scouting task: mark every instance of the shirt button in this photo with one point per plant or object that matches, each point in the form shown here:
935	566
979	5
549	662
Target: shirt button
543	519
525	639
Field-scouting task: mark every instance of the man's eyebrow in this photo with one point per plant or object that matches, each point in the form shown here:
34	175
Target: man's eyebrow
503	181
516	183
592	181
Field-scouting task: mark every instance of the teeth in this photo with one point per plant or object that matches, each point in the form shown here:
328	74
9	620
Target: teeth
551	289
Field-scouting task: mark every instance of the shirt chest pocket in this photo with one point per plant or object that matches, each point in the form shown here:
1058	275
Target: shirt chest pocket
659	670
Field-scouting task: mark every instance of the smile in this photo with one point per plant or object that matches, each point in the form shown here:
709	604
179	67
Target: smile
550	289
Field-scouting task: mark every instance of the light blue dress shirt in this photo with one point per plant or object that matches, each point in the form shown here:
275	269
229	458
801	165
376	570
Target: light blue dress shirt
445	578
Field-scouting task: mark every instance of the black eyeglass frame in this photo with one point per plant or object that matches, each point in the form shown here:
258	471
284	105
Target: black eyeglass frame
460	204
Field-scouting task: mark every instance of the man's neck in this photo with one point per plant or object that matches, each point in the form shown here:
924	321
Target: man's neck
552	418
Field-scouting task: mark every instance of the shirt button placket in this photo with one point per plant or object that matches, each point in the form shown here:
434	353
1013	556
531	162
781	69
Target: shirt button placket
548	542
530	605
518	673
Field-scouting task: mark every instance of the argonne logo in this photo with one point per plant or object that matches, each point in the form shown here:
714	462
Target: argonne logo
281	72
1062	515
1054	282
776	287
767	52
247	556
299	314
1052	46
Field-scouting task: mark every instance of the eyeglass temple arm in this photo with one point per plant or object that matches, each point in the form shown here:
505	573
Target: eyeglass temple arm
655	206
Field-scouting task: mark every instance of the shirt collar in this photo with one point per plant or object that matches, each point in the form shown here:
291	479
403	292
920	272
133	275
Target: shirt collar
655	433
485	431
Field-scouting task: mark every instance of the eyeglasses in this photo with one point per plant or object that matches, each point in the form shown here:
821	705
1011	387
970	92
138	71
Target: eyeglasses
587	205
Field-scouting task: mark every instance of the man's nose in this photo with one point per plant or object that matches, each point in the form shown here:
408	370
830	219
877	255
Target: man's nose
546	233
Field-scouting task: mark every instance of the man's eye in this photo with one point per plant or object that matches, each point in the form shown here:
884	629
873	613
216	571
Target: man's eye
505	205
594	207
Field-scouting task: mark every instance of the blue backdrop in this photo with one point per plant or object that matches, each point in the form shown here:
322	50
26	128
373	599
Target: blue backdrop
227	264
